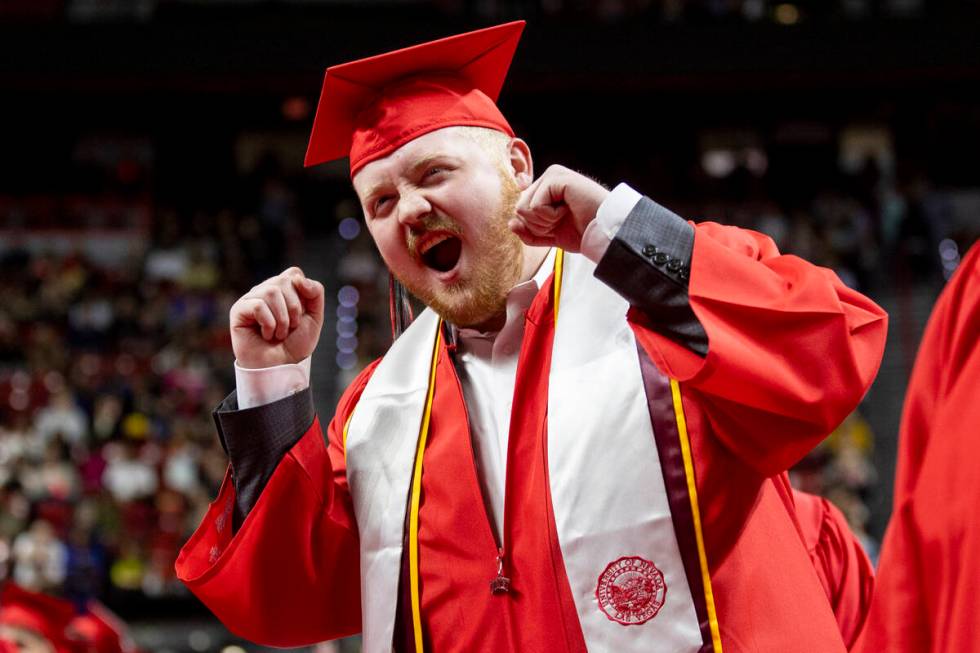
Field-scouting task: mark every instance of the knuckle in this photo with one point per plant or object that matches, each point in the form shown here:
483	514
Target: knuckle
270	293
260	289
240	307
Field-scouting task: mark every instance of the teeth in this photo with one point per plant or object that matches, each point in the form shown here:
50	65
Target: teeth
429	244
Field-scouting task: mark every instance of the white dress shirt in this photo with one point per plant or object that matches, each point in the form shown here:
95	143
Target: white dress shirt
486	362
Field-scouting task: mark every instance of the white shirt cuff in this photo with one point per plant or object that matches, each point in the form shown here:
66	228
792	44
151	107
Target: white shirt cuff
258	387
608	219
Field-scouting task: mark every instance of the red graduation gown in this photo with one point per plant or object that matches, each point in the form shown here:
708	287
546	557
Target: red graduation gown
841	563
929	570
792	351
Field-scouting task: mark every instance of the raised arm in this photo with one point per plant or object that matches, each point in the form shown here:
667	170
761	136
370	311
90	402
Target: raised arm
779	350
276	555
787	351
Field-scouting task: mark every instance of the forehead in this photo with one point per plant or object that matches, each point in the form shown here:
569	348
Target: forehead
448	141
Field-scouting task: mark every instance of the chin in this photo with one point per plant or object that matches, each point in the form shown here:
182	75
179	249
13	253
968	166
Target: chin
466	311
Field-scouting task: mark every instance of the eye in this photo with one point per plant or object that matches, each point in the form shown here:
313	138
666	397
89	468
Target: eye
381	202
434	170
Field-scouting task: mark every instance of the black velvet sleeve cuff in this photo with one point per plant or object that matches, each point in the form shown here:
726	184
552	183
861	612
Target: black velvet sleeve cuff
649	263
256	439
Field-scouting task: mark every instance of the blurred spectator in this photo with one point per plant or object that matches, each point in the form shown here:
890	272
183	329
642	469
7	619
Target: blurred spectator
127	476
61	417
40	558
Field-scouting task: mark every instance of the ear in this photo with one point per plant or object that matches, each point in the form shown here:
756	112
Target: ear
521	164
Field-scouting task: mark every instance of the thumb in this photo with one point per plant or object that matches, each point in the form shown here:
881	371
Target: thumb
527	236
312	292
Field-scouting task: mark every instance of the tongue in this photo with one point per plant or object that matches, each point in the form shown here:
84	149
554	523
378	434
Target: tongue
444	256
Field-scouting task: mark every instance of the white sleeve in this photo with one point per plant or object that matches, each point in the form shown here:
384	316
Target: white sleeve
608	219
257	387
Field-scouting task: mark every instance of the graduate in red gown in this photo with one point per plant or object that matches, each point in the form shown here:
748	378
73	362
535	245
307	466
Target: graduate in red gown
580	445
929	570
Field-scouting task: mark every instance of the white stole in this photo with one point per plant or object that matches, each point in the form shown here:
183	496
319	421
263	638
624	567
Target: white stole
607	489
613	520
381	442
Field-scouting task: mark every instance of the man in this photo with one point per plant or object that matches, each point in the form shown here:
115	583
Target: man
581	445
929	571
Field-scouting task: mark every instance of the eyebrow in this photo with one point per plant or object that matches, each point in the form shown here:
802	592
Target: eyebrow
412	170
424	162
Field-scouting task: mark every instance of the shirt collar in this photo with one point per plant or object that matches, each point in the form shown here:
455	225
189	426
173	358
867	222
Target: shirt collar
545	270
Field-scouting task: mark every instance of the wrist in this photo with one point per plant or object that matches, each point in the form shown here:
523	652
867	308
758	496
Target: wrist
259	386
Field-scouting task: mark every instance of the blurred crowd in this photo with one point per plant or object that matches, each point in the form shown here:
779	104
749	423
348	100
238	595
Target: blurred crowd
108	375
109	371
106	449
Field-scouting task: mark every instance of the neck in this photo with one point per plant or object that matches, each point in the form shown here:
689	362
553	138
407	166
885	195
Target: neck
493	325
533	258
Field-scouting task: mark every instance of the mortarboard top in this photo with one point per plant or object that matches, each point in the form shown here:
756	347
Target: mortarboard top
46	615
370	107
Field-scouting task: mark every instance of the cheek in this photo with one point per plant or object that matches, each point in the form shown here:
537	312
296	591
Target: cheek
389	240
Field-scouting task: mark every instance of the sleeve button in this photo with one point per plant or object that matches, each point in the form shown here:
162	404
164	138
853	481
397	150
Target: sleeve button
660	258
649	250
674	265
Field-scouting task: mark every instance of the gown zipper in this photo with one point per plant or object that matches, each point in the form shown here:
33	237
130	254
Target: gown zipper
500	584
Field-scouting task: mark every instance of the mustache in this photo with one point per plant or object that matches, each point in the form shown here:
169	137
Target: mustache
431	222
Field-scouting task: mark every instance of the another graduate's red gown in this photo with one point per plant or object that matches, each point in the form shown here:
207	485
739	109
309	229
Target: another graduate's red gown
792	351
929	571
841	563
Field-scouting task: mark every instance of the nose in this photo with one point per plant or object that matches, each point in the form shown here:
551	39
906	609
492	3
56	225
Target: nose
412	207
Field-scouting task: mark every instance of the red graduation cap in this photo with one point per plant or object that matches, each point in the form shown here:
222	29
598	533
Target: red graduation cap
46	615
371	107
101	630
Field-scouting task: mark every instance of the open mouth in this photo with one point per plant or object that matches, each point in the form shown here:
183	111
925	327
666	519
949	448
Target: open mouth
441	253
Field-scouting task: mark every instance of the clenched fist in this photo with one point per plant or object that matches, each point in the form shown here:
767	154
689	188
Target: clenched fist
277	321
557	208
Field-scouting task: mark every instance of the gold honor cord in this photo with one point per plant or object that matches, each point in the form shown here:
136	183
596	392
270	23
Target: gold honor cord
413	515
692	491
346	428
559	266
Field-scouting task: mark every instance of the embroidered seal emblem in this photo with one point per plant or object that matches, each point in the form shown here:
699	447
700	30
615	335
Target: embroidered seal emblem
631	591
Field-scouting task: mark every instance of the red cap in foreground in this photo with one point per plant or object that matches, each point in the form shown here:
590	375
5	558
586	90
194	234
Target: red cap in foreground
45	615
